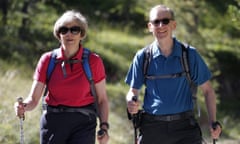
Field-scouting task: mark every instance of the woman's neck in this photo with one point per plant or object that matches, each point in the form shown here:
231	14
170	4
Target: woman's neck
69	52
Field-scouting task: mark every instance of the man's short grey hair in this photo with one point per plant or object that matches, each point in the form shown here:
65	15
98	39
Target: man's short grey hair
164	7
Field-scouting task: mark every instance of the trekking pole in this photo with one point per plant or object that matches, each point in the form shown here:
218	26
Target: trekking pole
22	117
134	120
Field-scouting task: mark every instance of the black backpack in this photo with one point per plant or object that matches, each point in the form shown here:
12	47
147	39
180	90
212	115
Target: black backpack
184	63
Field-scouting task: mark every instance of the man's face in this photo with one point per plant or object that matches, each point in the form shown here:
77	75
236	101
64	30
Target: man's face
161	23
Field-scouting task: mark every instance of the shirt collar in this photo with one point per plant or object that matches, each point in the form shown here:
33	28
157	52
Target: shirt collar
177	51
78	55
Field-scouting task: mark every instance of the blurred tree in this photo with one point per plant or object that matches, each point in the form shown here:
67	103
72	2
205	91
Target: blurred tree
234	12
4	9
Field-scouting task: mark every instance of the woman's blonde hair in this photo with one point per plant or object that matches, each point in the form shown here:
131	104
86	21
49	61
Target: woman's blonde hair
70	16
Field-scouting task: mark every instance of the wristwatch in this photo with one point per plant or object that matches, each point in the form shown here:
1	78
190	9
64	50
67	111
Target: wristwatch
101	133
102	130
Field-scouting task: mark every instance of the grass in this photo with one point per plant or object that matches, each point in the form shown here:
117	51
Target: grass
14	83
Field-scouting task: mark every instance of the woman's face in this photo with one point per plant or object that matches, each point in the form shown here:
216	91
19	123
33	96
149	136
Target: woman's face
70	34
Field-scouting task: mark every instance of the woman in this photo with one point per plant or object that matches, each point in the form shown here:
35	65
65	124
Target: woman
69	116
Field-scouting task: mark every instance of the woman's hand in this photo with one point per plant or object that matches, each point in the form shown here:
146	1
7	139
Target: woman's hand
19	108
103	136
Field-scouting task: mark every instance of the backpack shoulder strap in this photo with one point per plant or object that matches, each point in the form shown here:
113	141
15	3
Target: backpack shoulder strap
87	70
147	58
146	62
52	63
50	68
185	61
85	63
185	64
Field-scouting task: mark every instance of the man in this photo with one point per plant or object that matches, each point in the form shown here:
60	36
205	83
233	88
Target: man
168	104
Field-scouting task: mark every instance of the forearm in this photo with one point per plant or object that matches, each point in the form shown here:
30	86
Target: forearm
35	94
30	103
103	110
102	100
210	100
211	106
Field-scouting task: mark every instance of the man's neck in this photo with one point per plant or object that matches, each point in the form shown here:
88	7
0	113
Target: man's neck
166	46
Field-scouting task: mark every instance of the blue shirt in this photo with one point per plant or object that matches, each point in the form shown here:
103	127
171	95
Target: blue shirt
170	95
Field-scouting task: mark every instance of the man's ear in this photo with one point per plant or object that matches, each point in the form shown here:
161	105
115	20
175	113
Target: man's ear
150	27
174	25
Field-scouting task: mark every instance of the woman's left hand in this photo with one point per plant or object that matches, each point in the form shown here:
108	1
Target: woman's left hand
103	139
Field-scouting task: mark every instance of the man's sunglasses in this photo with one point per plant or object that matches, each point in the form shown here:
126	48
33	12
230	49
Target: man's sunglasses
164	21
74	30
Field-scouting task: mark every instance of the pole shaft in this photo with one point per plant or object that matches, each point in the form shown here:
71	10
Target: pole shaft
21	119
21	131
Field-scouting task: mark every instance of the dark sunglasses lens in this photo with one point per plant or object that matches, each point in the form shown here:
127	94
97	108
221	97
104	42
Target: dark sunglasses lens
165	21
156	22
63	30
75	30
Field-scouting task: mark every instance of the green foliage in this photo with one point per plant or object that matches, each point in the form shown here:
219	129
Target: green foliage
234	12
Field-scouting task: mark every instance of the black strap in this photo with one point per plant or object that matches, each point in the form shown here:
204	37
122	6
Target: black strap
147	58
173	117
185	66
166	76
84	110
184	62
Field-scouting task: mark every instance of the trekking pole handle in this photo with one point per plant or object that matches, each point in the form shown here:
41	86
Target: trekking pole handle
134	116
20	102
135	98
214	126
21	117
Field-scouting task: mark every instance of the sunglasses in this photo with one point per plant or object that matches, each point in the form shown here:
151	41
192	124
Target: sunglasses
74	30
164	21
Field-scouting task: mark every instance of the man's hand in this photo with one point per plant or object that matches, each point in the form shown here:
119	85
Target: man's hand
216	130
133	105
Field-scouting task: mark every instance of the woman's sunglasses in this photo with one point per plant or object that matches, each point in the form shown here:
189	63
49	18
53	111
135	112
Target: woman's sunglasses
164	21
74	30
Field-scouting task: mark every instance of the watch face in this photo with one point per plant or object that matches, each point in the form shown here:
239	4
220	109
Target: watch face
101	133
